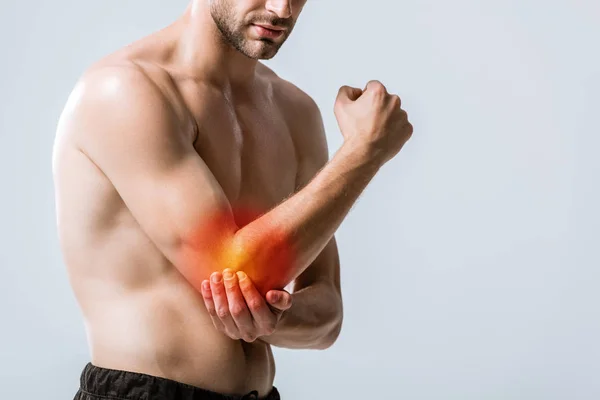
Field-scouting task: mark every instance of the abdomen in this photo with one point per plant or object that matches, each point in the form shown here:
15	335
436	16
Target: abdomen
165	331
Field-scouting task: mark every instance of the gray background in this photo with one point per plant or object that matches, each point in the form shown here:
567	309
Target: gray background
470	264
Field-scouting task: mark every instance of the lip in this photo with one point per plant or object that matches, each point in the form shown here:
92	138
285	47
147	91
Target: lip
271	27
265	32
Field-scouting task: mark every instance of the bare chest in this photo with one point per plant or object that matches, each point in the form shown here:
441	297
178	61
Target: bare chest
250	151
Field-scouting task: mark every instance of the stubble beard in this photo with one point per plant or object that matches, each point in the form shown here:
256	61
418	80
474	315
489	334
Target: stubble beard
232	33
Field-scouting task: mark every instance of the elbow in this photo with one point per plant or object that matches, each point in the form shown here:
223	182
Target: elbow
334	326
332	334
269	260
331	339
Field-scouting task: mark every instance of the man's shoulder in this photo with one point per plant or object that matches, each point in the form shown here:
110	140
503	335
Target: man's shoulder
292	96
116	78
119	86
114	99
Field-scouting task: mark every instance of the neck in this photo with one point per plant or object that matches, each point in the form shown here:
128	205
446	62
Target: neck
203	52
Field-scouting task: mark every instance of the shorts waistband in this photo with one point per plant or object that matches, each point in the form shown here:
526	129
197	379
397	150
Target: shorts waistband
117	384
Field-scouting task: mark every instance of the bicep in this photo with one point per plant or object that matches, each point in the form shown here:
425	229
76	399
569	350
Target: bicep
131	134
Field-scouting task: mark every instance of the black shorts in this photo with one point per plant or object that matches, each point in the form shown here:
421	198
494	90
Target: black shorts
109	384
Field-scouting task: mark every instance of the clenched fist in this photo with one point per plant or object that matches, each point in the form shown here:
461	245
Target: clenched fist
374	119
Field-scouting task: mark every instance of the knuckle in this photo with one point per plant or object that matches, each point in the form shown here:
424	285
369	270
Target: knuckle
378	90
223	313
254	304
236	310
248	337
342	92
212	312
377	87
218	289
270	328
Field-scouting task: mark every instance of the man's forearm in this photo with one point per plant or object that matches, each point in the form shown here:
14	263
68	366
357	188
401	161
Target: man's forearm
313	322
304	223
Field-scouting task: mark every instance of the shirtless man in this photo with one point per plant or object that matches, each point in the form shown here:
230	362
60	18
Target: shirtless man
179	160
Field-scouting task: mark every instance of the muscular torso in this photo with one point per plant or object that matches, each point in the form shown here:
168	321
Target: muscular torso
140	313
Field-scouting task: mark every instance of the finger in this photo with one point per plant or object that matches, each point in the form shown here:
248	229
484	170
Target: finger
259	309
349	93
221	304
279	299
375	87
210	305
237	307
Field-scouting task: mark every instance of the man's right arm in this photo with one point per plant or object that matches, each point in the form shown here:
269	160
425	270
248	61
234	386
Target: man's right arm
122	122
129	130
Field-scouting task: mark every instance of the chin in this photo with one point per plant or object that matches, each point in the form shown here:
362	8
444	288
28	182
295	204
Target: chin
267	55
262	51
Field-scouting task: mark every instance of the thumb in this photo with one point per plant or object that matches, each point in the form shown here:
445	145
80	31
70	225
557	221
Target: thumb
279	299
349	93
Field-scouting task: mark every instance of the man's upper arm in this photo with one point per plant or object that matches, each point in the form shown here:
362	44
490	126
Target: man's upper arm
124	125
313	154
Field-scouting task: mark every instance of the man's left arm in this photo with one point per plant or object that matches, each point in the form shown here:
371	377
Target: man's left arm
315	318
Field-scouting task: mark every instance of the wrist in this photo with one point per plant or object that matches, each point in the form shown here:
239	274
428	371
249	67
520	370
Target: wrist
364	154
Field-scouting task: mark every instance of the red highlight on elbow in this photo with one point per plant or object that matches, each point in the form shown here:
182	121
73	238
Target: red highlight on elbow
263	253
